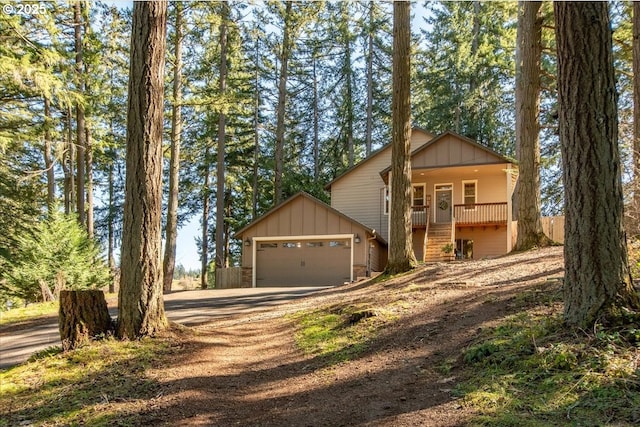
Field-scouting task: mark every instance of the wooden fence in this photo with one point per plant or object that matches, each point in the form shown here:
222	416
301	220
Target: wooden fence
553	227
227	278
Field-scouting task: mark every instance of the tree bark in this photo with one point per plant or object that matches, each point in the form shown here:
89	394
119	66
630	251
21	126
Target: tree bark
80	117
111	238
636	113
282	103
140	298
48	158
528	54
171	232
204	277
369	120
68	165
82	316
401	256
316	119
222	121
256	134
89	183
597	279
348	75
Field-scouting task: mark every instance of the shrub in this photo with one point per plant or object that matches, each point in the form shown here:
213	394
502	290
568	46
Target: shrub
56	255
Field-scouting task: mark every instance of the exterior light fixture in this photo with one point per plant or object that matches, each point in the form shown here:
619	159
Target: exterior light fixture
247	242
356	239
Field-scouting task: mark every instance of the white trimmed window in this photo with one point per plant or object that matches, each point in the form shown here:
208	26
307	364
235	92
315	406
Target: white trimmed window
470	193
385	200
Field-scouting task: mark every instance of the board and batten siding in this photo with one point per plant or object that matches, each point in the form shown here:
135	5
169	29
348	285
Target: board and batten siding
451	150
305	218
359	193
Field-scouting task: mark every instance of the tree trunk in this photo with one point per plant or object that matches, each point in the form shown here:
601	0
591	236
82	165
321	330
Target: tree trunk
83	315
204	279
282	104
140	298
222	121
256	135
636	114
70	187
401	256
111	239
48	158
171	232
316	120
348	75
89	185
80	118
597	279
369	121
528	53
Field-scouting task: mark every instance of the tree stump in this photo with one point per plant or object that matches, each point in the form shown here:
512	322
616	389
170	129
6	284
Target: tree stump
83	315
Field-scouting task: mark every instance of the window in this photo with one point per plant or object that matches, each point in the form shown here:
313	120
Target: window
315	244
469	194
339	244
268	245
418	195
292	245
385	200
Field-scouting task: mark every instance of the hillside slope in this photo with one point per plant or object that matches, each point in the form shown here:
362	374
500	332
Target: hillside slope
397	367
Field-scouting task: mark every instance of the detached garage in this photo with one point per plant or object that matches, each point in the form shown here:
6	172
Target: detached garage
305	242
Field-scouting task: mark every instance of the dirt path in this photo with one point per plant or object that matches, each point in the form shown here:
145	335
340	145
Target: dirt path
248	371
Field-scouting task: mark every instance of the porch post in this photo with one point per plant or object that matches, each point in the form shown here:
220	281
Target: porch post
509	208
389	193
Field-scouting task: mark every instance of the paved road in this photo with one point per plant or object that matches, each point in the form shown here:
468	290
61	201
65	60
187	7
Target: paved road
189	308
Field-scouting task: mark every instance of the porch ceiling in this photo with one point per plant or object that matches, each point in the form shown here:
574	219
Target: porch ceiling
467	172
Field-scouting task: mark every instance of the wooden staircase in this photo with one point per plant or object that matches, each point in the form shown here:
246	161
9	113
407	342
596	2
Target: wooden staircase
439	235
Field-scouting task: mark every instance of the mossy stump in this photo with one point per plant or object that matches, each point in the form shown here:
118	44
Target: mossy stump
83	315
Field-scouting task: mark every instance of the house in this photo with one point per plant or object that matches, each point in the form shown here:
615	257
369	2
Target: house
462	194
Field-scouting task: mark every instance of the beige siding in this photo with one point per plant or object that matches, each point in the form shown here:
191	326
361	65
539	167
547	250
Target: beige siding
452	151
488	242
305	217
359	193
490	183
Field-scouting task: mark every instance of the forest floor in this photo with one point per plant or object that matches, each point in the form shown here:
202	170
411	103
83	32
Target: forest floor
398	366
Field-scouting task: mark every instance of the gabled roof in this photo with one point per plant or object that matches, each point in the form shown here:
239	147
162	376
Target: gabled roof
370	157
238	234
500	158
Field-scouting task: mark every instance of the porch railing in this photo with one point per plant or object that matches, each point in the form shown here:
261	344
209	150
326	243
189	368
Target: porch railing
480	214
419	216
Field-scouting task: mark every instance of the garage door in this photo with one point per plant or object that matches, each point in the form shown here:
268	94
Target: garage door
303	262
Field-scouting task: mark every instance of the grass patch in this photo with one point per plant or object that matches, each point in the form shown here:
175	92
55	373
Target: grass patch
101	384
338	333
530	371
31	311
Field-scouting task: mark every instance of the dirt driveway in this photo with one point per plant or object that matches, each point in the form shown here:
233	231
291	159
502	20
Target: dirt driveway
190	308
247	370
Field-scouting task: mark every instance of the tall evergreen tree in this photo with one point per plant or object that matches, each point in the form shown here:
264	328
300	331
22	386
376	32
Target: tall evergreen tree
528	53
466	83
401	256
140	304
222	136
171	229
597	280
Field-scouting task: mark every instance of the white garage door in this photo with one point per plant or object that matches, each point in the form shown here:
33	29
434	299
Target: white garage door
317	262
